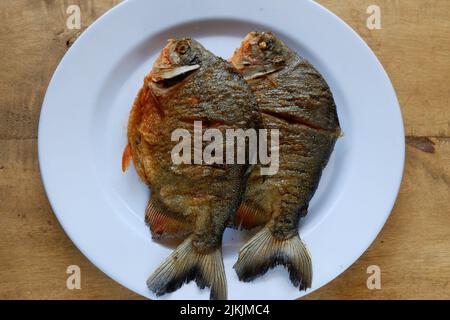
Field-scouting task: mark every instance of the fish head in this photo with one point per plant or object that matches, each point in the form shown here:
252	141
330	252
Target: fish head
179	58
261	53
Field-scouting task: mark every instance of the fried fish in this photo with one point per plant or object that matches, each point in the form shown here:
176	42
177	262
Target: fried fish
293	97
191	201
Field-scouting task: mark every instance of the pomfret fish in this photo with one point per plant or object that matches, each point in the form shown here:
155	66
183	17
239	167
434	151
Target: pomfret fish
191	201
293	97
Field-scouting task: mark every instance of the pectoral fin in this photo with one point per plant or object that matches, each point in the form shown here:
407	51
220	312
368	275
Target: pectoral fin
126	158
249	217
164	225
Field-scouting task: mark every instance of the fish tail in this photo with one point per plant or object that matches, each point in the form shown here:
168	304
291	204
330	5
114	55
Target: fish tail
264	251
186	264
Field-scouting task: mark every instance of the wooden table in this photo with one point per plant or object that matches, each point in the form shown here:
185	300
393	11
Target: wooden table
413	250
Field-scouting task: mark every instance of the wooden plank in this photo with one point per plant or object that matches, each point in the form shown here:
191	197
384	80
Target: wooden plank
412	248
34	250
33	39
413	45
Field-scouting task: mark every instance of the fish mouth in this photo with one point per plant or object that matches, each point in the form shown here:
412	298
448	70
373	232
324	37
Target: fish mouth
253	72
168	73
168	77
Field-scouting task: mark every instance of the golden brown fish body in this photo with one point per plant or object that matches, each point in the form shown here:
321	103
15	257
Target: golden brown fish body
294	98
187	84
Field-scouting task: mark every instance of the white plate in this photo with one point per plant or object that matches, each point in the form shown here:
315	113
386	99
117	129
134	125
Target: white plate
82	133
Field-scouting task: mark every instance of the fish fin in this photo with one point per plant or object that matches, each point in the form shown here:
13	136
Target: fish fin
126	158
264	251
164	225
249	217
186	264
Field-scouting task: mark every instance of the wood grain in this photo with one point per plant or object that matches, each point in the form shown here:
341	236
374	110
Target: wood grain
411	250
413	46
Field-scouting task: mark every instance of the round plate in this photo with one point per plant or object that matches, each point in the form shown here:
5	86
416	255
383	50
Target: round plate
82	133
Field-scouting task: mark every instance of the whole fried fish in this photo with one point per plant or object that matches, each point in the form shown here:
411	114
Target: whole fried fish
294	98
187	84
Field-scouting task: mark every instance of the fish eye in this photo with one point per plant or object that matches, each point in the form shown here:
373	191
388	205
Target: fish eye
266	44
182	48
262	45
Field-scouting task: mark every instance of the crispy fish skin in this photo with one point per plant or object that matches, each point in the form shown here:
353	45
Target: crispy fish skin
293	97
187	84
